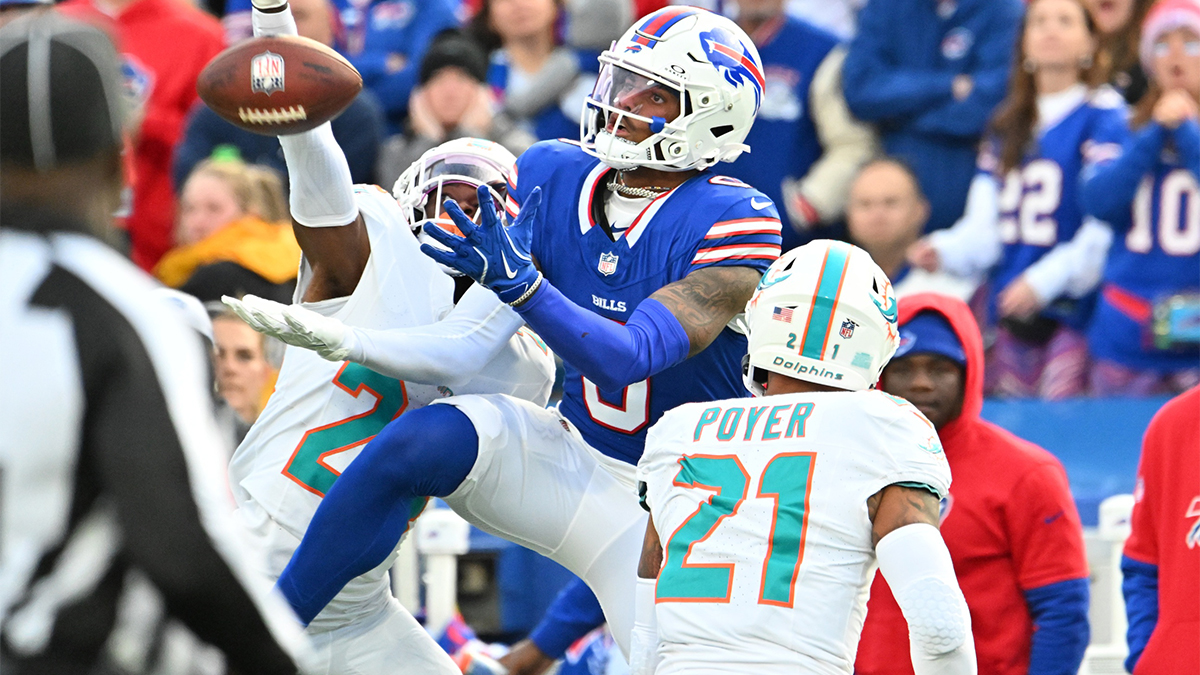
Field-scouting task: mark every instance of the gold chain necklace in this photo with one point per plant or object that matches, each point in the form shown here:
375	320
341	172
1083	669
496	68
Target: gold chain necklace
616	185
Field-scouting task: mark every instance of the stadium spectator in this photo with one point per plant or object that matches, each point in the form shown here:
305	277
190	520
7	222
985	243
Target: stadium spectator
1150	196
1010	521
805	146
244	370
359	130
1119	24
1024	218
234	235
929	74
164	45
886	214
451	101
1160	563
839	17
108	436
395	35
537	83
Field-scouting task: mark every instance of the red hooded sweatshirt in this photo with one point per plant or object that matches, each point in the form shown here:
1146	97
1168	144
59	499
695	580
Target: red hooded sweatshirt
1166	533
1010	524
164	44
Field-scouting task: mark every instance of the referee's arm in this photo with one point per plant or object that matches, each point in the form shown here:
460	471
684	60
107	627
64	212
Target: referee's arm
152	465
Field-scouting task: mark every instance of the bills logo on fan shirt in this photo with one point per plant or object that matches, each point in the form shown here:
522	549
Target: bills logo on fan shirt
956	43
266	73
1193	535
608	263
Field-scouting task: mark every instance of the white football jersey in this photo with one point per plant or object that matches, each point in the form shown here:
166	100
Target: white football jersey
761	505
322	413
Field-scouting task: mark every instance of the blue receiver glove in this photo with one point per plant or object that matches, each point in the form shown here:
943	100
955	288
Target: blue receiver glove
490	253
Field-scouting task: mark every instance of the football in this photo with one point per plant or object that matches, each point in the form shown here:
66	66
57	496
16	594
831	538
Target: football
278	85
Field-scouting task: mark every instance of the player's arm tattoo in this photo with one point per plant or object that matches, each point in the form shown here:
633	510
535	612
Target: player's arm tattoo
705	300
652	553
895	506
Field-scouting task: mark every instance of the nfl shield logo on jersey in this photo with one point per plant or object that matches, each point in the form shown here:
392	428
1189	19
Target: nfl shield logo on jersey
608	264
847	330
266	73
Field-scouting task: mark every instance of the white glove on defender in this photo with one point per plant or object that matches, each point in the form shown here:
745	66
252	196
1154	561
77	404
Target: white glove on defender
272	17
296	326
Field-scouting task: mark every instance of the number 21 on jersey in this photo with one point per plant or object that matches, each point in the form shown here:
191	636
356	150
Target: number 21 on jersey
785	480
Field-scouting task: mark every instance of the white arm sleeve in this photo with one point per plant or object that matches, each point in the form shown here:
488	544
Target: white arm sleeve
450	352
917	567
643	641
972	245
322	192
1073	267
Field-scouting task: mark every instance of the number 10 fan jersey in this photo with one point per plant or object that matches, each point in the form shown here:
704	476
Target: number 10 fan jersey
761	505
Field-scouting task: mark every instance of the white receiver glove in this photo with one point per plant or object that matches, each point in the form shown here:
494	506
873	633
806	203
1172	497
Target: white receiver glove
272	17
296	326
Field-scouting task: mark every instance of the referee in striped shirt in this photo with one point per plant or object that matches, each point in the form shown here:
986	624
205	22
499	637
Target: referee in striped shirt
109	456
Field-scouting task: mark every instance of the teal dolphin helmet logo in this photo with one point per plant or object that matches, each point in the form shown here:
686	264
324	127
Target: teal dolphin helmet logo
888	306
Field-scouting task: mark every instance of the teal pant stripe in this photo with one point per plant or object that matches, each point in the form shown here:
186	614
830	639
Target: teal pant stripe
816	333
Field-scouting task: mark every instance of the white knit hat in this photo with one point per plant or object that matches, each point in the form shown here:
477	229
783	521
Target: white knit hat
1164	17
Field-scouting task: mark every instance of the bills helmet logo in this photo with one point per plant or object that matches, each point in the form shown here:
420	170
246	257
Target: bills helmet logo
734	61
608	263
137	81
847	330
266	73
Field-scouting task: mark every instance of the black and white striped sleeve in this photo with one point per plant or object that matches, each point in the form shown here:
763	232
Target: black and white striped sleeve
149	468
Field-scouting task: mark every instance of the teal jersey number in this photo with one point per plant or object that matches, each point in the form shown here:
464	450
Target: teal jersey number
786	480
307	465
678	580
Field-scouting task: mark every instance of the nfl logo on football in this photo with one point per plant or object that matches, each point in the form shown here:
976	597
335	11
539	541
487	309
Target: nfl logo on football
847	330
266	73
608	264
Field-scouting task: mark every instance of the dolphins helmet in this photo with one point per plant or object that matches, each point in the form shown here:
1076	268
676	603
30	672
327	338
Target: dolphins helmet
463	161
824	313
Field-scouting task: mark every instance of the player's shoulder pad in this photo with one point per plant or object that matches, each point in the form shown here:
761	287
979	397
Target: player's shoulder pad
1105	97
905	419
552	154
377	204
545	159
728	198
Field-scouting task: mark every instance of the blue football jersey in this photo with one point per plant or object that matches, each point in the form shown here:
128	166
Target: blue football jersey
1039	200
1155	253
710	220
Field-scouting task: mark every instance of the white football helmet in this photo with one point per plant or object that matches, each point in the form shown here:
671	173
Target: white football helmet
464	161
706	61
824	313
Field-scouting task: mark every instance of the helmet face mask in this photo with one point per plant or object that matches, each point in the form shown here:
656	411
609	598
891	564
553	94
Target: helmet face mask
468	162
824	313
705	62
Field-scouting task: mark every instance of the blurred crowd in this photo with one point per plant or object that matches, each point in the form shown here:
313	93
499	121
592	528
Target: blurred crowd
1038	160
